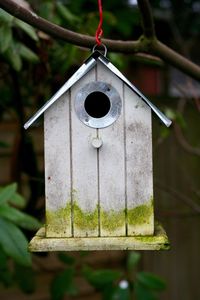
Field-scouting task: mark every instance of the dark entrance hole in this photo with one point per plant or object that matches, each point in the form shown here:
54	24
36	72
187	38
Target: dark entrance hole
97	104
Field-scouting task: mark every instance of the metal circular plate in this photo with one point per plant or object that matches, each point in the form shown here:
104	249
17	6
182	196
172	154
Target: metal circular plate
115	104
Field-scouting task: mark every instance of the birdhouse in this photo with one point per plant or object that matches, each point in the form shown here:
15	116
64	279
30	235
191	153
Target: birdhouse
98	164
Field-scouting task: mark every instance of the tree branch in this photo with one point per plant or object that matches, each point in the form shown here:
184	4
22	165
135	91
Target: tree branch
184	143
179	196
147	18
175	59
64	34
146	44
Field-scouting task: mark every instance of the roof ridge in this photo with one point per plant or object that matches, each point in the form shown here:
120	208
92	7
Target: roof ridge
89	63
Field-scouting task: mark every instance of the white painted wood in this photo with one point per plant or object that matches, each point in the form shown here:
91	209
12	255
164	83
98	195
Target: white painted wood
84	171
102	185
138	159
57	168
112	167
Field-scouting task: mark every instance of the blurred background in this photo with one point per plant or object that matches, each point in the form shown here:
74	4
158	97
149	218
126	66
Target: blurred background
33	66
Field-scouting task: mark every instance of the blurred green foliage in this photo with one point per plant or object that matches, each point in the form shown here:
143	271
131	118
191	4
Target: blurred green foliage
13	242
112	284
33	66
12	49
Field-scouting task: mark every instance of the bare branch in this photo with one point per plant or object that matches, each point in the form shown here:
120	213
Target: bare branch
65	34
179	196
145	44
147	18
175	59
184	143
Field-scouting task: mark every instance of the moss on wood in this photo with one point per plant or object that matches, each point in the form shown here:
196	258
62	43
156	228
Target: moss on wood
140	214
58	222
157	242
112	220
85	220
139	218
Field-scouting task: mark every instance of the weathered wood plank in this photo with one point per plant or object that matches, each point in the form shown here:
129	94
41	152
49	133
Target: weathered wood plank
57	169
112	167
84	171
138	165
156	242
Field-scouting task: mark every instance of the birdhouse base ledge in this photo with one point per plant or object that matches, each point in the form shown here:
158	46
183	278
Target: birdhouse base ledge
159	241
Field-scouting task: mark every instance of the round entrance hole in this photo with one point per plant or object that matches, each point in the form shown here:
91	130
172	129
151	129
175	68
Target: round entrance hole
97	104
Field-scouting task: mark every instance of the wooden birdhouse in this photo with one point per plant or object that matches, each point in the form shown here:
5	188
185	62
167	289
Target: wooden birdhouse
98	164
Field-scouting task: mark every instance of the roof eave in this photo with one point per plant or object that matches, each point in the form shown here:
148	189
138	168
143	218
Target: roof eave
84	69
113	69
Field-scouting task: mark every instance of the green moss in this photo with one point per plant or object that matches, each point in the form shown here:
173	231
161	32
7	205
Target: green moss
85	220
159	238
141	214
58	221
136	216
112	220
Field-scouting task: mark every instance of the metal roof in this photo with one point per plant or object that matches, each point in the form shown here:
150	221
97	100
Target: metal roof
84	69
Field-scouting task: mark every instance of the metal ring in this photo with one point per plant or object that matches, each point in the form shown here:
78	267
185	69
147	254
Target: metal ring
104	46
115	104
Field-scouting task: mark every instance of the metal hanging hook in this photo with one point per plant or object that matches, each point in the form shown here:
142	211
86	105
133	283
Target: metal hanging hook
100	46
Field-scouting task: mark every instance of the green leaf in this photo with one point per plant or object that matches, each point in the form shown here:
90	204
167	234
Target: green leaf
151	281
28	29
3	260
5	274
69	260
66	13
121	294
143	293
13	57
14	243
133	259
5	38
102	277
181	121
63	284
170	113
176	116
164	132
18	51
27	53
17	200
26	278
5	18
19	218
6	277
47	11
7	193
117	60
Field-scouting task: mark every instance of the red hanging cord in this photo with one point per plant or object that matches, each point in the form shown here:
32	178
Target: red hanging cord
99	30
